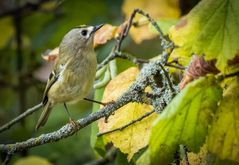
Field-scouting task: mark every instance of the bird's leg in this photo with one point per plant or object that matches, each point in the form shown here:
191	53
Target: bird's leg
98	102
72	121
104	104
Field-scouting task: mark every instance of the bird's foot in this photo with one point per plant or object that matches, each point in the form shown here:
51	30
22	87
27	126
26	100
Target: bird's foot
74	123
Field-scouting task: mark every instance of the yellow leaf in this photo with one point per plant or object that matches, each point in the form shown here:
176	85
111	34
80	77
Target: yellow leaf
36	160
223	139
156	8
133	138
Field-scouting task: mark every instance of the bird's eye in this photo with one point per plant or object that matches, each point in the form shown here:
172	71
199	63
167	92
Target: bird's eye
84	32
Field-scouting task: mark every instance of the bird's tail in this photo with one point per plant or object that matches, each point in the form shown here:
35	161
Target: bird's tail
44	116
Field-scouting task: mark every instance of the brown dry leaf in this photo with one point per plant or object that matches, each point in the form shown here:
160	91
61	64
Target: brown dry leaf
51	55
106	33
197	68
133	138
156	8
196	158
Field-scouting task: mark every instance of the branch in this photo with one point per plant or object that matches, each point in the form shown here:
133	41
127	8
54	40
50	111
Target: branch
20	117
116	50
7	159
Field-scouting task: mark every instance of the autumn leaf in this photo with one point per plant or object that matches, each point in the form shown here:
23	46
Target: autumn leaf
106	33
185	120
223	139
204	157
51	55
167	9
198	67
133	138
210	29
196	158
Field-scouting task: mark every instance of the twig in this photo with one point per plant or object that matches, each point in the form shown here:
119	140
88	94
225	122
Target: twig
111	56
140	23
175	66
221	77
115	51
186	155
7	159
231	74
168	79
131	58
20	117
127	125
177	158
152	21
115	54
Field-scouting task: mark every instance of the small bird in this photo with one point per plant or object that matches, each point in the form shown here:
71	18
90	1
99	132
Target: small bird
73	72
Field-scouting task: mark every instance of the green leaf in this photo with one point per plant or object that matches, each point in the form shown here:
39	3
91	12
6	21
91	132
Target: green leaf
97	142
211	28
223	139
185	120
144	159
164	25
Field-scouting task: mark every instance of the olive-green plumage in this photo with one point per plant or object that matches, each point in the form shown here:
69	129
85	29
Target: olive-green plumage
74	70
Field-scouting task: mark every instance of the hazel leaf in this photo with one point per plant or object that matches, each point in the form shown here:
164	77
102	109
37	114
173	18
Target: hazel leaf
185	120
223	139
211	29
133	138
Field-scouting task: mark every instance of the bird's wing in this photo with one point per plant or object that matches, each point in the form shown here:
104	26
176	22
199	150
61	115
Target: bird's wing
57	70
51	80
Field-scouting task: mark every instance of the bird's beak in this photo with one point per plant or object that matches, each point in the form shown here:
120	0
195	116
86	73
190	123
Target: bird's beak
97	27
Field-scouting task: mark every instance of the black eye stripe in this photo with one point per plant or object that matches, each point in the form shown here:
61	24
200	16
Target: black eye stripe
84	32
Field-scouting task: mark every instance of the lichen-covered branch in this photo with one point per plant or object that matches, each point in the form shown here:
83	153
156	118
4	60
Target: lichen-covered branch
133	94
